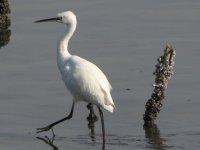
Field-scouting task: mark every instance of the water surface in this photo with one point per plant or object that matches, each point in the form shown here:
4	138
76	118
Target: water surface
124	38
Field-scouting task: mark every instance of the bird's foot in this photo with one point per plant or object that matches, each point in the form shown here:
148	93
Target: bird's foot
47	128
49	141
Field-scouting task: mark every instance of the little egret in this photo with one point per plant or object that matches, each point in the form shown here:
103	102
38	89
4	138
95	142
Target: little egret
85	81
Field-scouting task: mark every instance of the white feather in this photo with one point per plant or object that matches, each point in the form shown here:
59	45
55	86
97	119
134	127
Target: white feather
82	78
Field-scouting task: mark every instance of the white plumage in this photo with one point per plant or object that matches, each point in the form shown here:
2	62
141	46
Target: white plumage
85	81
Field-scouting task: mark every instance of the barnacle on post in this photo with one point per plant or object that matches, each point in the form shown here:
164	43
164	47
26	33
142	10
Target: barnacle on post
5	22
163	73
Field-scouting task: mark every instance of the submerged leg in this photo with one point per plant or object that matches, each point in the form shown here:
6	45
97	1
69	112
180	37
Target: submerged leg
92	118
57	122
102	123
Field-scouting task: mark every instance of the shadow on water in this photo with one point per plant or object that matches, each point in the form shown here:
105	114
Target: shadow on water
153	136
152	139
5	22
92	119
49	141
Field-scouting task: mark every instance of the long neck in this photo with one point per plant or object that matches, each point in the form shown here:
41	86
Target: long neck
63	44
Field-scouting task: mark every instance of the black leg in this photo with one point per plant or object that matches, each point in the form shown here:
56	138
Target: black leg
57	122
102	123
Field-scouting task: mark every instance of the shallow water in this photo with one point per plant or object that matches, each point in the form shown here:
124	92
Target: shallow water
124	38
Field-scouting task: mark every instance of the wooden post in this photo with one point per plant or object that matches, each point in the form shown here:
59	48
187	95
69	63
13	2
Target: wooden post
163	73
4	23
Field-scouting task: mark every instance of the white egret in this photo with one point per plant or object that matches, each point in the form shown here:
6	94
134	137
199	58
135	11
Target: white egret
85	81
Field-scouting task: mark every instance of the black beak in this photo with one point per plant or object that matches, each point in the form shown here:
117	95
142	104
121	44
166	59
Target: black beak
56	19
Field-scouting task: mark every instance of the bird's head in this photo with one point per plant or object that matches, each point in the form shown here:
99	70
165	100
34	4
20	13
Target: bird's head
66	17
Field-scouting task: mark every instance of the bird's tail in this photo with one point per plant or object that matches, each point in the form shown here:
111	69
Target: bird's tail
111	108
108	101
109	104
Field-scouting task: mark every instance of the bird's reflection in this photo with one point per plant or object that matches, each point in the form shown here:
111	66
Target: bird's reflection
5	22
92	119
49	141
153	136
